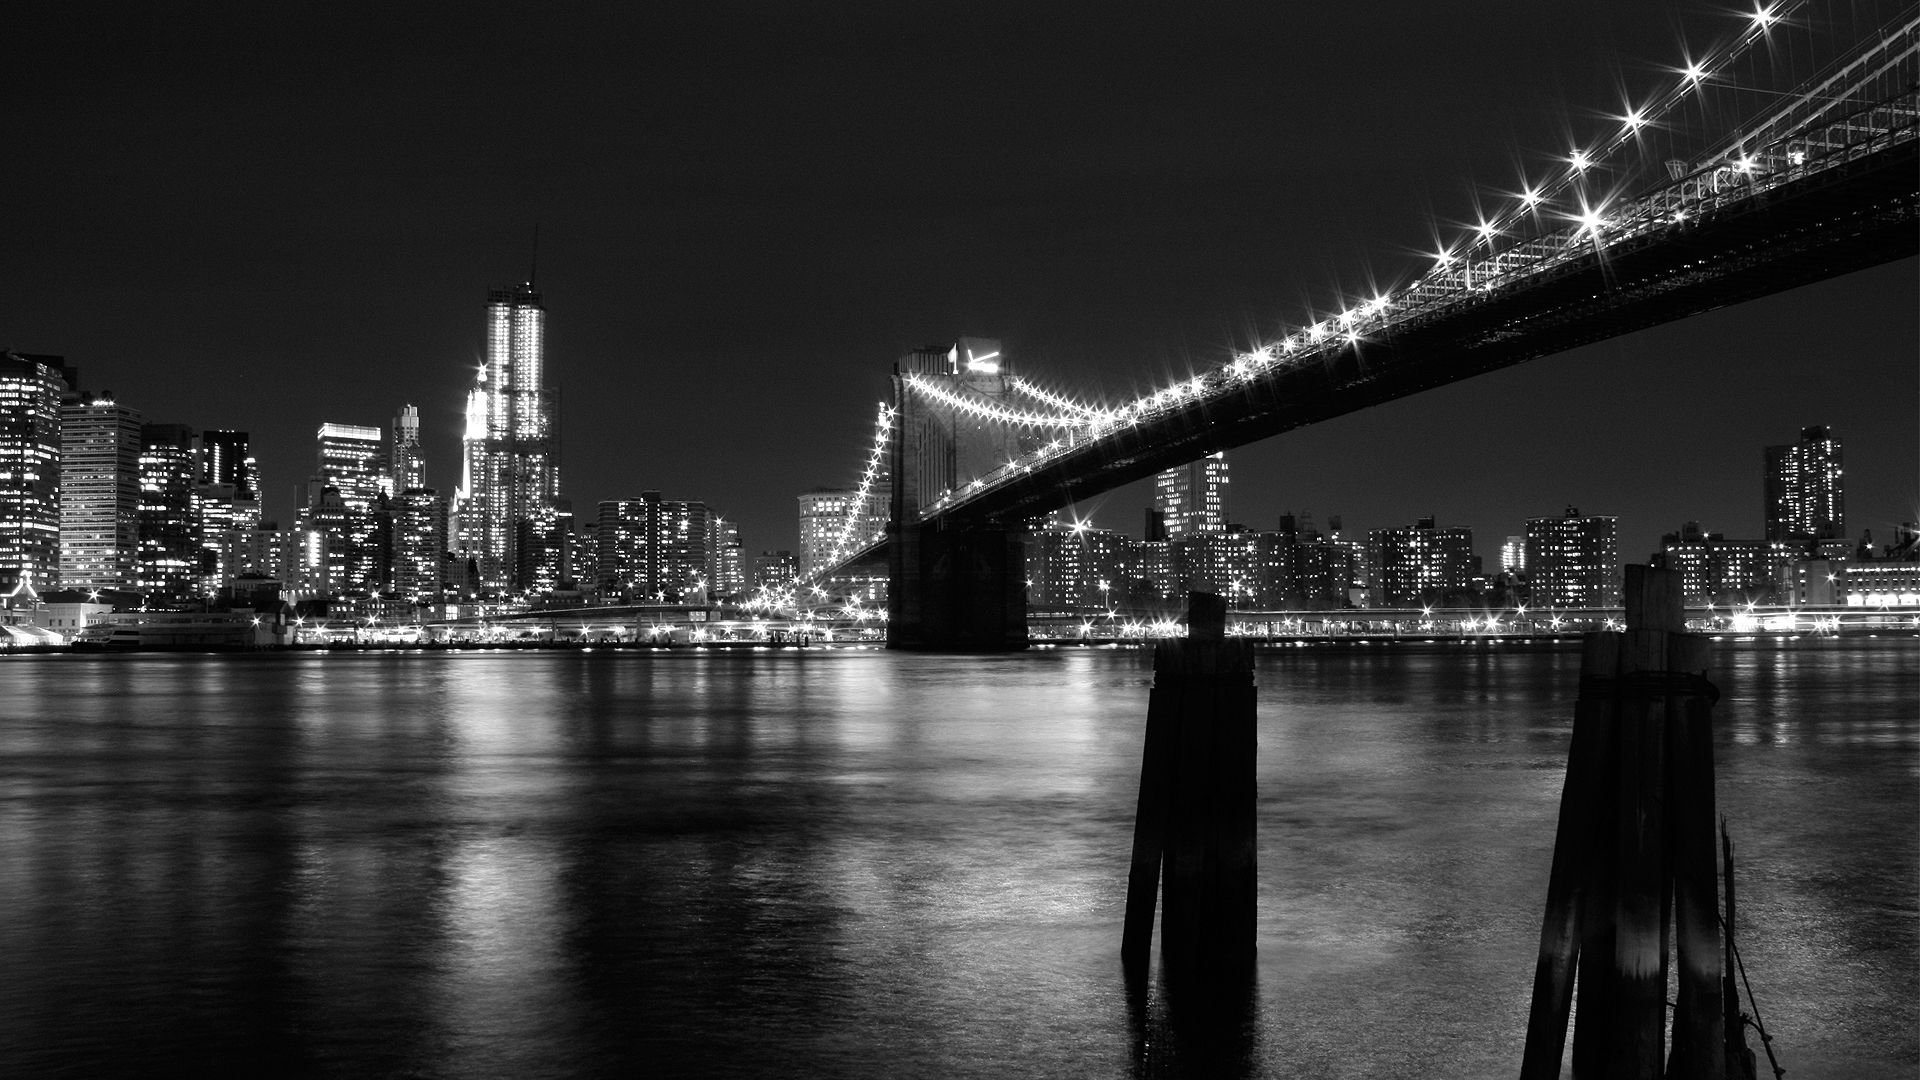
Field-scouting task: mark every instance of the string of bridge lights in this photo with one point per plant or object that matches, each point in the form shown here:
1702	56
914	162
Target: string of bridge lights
843	544
1449	276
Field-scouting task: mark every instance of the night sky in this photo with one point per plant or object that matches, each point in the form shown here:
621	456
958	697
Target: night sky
270	216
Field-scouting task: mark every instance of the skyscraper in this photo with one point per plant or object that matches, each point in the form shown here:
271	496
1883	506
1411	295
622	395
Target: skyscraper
1574	561
169	556
31	388
1193	497
349	491
226	457
99	493
409	467
509	502
1805	497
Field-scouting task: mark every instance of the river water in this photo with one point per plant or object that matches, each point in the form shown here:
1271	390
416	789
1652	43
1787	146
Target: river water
864	864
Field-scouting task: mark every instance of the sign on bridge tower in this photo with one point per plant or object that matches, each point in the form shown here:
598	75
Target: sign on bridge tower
955	583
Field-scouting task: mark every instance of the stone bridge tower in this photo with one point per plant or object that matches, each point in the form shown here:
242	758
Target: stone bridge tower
954	583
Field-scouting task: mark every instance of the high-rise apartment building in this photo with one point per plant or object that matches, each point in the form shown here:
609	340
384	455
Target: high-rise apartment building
1193	497
1573	560
31	390
654	550
729	571
99	493
168	564
1805	494
1073	566
509	512
1421	564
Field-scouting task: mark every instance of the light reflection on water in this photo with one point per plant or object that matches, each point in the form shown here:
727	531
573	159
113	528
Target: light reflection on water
865	864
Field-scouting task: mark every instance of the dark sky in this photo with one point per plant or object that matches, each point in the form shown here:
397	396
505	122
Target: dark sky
269	216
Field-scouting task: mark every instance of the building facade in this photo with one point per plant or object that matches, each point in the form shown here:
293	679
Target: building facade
167	566
1728	573
509	504
1421	564
1804	488
1573	560
1072	566
654	550
823	520
99	493
32	388
1193	497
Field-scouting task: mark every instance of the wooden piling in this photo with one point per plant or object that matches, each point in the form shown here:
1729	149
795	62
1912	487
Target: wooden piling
1633	858
1698	1032
1571	880
1195	816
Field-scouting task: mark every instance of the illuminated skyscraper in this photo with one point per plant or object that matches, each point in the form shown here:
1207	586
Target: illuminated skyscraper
226	457
99	493
168	565
1806	499
1193	497
31	388
509	503
409	467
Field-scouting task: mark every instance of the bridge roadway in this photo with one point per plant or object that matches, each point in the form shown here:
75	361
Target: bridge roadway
1829	222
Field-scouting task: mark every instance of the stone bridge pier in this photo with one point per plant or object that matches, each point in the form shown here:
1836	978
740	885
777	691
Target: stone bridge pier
954	584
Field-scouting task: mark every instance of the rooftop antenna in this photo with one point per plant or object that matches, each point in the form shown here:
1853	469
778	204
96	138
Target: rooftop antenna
533	261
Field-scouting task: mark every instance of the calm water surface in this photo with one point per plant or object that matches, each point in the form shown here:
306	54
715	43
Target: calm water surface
869	864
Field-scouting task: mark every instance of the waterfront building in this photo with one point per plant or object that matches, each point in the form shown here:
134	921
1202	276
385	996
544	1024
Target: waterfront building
1193	497
1222	561
1573	560
31	390
1804	488
1716	570
653	550
1073	566
99	493
167	562
1150	573
1316	571
509	498
1422	564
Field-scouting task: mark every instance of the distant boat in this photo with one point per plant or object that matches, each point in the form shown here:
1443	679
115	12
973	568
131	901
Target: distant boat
181	630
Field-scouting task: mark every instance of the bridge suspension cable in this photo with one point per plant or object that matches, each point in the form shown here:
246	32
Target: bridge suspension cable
988	411
848	539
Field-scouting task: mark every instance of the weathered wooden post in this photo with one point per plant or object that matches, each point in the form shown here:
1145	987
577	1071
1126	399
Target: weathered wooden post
1195	817
1633	858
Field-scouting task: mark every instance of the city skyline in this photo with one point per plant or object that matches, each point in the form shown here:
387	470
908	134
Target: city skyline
1132	235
